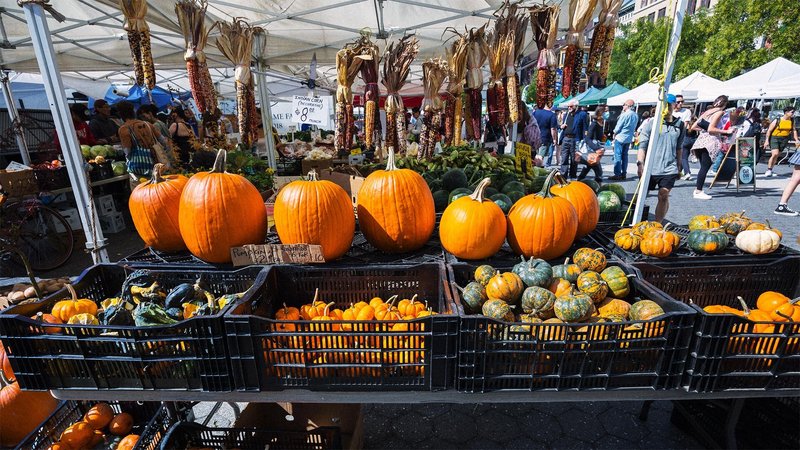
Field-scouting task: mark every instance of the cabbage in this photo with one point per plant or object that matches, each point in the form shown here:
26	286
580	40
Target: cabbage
98	150
118	167
86	151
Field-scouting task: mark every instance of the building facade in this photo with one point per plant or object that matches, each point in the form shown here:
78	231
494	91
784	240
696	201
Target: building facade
652	10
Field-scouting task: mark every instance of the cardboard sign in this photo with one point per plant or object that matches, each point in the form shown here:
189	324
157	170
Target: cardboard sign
523	158
277	254
310	110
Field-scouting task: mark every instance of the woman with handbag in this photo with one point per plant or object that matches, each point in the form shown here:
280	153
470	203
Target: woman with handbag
139	140
592	148
709	142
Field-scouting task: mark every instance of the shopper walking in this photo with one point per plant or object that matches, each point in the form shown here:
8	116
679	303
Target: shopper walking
778	137
548	128
709	142
574	128
666	156
594	145
623	136
686	148
791	186
181	134
685	114
138	139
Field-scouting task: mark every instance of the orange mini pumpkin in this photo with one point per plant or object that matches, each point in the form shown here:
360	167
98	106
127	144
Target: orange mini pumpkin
77	435
473	227
128	442
154	208
49	319
99	416
65	309
121	424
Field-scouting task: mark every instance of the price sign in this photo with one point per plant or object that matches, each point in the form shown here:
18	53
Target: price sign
277	254
746	161
311	110
523	159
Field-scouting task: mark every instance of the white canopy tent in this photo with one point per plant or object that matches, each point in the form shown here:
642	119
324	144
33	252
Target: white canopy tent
692	87
788	87
757	83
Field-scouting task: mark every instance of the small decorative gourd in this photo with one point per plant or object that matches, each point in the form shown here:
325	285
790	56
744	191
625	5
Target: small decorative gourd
497	309
65	309
567	271
505	286
707	241
617	281
758	242
574	306
538	302
534	272
593	285
589	259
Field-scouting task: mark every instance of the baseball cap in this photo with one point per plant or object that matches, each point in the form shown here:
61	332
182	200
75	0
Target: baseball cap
671	98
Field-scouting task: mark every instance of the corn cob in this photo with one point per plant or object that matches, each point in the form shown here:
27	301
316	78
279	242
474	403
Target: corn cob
348	136
134	42
400	129
468	115
457	116
437	122
569	68
596	50
369	122
541	87
148	66
449	119
496	103
241	108
207	86
423	136
513	98
605	59
551	86
341	126
193	72
577	69
476	102
391	127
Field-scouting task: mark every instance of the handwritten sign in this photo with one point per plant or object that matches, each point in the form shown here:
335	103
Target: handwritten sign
277	254
523	159
310	110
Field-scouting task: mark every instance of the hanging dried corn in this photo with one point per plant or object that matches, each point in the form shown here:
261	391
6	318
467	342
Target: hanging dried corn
139	41
369	74
478	51
396	66
235	41
496	96
348	63
544	23
512	25
434	72
610	21
456	73
580	13
191	18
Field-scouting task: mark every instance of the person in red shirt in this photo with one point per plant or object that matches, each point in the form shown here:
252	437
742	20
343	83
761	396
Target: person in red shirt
85	136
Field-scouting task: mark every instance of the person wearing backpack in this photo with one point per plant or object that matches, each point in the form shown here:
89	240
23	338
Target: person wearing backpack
138	139
777	139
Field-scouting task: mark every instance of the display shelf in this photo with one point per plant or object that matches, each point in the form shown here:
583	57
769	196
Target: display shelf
115	179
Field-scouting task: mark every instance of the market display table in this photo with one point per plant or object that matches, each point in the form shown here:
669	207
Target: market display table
115	179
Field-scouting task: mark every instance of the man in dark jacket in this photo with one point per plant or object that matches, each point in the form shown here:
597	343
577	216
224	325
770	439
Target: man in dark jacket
103	126
575	126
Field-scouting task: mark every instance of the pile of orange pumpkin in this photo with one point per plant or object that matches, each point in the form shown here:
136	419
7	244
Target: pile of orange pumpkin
99	427
771	307
750	236
649	238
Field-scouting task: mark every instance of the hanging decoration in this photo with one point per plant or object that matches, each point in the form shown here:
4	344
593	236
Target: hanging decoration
513	24
348	64
456	73
477	52
610	20
580	13
139	41
434	72
544	23
369	74
396	66
496	102
236	43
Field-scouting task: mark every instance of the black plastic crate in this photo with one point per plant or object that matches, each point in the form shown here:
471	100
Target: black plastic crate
370	357
506	257
583	357
616	217
51	179
189	355
151	258
728	352
286	166
185	435
146	417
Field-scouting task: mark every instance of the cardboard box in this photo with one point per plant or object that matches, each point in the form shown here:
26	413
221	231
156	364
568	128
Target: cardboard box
307	416
71	215
316	164
350	183
105	205
113	223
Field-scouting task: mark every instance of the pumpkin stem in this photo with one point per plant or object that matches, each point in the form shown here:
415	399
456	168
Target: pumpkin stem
745	308
789	318
71	291
312	176
220	161
479	191
548	183
413	299
4	380
285	308
157	170
460	289
327	307
390	164
391	301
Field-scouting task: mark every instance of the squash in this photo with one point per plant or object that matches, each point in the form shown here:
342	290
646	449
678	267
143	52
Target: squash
524	318
474	295
154	207
567	271
21	412
617	281
220	210
505	286
764	226
613	309
670	236
48	319
128	442
656	244
542	225
779	307
534	272
722	309
77	435
583	198
757	315
99	416
121	424
593	285
83	319
395	209
484	273
589	259
574	306
758	242
65	309
645	310
734	223
287	313
497	309
627	239
315	212
538	301
410	307
707	241
645	225
703	222
473	227
560	287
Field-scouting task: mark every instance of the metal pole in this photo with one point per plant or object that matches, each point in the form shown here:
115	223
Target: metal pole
46	57
8	95
672	50
263	94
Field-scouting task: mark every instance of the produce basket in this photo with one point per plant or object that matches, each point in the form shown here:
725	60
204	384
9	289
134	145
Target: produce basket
18	183
419	354
188	355
147	417
101	171
151	258
185	435
493	356
51	179
730	352
287	166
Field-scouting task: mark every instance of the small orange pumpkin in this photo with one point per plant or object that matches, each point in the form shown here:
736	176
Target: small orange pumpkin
65	309
48	318
121	424
154	208
756	315
128	442
77	435
99	416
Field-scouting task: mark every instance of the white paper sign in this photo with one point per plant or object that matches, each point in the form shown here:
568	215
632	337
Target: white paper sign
310	110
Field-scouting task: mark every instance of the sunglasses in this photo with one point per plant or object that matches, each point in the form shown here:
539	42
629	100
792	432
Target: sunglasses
678	101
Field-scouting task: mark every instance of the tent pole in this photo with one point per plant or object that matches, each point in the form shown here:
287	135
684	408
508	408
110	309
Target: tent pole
53	85
672	50
8	95
259	45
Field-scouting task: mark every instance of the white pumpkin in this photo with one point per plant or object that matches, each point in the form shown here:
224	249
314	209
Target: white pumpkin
758	242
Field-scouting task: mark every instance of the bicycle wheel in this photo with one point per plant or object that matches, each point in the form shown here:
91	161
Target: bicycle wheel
41	233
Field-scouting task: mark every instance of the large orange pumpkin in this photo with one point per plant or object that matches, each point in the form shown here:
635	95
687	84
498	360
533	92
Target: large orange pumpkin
395	209
20	411
315	212
473	227
220	210
541	225
583	199
154	208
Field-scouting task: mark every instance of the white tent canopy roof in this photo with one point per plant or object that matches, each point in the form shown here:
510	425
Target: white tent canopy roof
692	87
758	82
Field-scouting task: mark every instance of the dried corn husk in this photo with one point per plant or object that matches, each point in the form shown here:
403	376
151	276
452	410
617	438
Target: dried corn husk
235	41
397	61
580	13
191	18
499	46
434	72
477	52
456	75
369	73
139	41
512	25
348	64
544	24
610	21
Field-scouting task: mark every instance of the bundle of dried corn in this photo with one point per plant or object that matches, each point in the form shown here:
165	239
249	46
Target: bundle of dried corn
235	41
512	24
477	52
348	63
434	72
580	13
369	73
496	96
191	18
610	21
456	73
139	41
544	23
396	66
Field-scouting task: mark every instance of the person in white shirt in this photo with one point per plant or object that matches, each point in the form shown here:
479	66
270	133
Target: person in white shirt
685	114
415	125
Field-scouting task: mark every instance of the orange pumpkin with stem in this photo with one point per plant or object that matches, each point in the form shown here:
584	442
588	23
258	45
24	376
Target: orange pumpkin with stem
473	227
583	199
65	309
287	313
779	307
542	225
764	226
757	315
154	208
396	212
128	442
664	234
410	307
315	212
50	319
220	210
77	435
